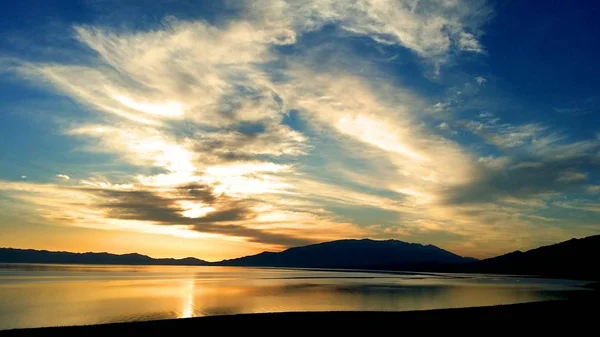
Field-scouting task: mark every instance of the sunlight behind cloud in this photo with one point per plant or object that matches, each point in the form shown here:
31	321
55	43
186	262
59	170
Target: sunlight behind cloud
241	169
194	210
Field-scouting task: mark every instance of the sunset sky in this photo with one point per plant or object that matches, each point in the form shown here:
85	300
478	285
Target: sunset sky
218	129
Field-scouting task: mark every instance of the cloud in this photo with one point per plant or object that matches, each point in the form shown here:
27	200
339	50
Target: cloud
210	124
23	177
571	177
185	211
385	119
581	205
520	181
429	28
241	129
217	88
439	107
468	42
504	135
62	177
223	216
532	164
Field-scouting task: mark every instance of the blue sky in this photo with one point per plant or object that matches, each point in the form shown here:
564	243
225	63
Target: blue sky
218	129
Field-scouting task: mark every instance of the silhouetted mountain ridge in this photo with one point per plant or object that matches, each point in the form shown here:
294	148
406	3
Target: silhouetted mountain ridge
14	255
574	258
364	253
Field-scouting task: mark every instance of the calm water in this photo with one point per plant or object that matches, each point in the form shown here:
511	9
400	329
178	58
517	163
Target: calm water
50	295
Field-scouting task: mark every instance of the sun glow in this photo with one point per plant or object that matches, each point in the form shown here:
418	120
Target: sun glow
377	132
246	178
194	210
243	169
165	109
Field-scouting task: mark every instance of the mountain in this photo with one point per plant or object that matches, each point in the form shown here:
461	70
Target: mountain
362	254
575	258
12	255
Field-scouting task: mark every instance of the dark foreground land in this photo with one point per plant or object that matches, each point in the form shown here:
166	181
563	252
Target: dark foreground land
578	316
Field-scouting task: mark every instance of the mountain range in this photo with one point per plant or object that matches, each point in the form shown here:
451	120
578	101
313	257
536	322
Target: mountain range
12	255
358	254
575	258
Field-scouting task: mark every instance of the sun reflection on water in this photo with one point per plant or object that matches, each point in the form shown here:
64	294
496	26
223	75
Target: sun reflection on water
187	310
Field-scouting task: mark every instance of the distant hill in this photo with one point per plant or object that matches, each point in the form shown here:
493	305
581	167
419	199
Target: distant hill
575	258
364	254
12	255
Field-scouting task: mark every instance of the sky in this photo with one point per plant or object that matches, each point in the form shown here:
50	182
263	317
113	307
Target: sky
218	129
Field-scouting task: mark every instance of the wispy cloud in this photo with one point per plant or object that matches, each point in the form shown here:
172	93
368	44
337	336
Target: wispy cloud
432	29
480	80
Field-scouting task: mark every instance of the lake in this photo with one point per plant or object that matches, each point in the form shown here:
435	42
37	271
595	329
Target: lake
33	295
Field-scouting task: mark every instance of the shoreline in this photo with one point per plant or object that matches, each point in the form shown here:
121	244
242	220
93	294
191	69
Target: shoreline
572	314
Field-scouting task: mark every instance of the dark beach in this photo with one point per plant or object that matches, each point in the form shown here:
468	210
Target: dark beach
576	315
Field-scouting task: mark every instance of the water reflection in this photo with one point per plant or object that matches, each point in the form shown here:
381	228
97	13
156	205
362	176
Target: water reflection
188	300
67	295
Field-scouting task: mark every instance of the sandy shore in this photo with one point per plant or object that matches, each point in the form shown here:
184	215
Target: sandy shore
565	316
